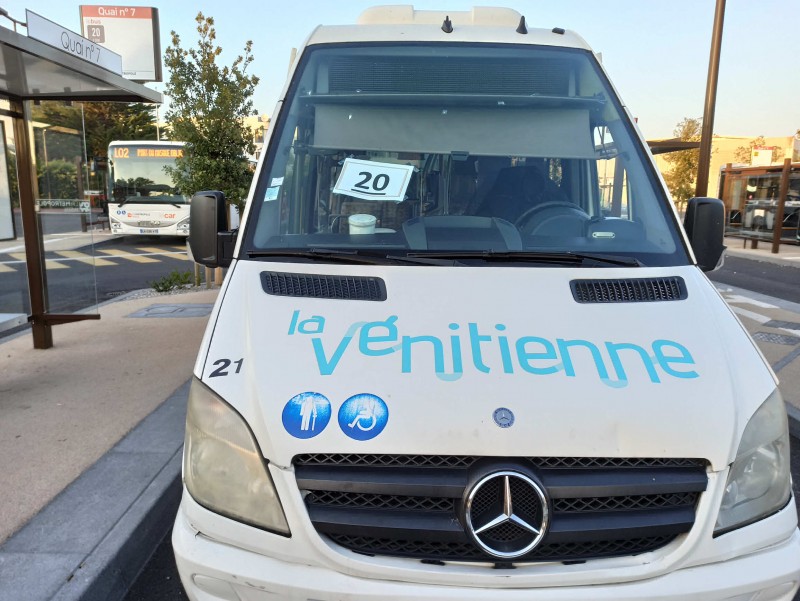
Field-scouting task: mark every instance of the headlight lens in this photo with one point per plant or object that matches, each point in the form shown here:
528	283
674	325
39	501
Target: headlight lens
759	481
222	466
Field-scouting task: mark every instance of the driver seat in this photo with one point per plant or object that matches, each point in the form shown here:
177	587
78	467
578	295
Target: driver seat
515	190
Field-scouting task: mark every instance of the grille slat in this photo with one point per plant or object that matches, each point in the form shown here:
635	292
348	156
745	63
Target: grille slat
465	461
396	505
445	550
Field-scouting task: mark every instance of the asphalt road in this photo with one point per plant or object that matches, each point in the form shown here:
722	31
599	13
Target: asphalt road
110	269
766	278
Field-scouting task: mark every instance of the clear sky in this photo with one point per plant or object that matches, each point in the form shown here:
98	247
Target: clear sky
656	52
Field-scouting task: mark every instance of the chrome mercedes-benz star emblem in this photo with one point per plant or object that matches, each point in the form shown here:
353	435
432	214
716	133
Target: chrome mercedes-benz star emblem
503	417
506	514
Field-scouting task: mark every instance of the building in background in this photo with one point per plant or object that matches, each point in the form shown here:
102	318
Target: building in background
724	150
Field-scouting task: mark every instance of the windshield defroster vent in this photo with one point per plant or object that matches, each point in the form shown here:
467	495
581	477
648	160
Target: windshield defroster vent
323	286
636	290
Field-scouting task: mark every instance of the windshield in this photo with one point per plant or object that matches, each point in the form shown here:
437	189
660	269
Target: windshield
138	174
439	150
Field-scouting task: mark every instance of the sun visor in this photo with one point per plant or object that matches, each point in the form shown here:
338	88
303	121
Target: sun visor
477	131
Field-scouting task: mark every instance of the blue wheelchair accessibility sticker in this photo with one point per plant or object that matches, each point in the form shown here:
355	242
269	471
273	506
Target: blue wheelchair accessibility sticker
306	414
363	416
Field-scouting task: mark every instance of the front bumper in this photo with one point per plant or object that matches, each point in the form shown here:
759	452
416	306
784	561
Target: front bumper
215	571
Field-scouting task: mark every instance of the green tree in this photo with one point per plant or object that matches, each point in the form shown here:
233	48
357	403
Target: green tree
743	154
13	183
681	178
104	121
58	179
796	153
208	104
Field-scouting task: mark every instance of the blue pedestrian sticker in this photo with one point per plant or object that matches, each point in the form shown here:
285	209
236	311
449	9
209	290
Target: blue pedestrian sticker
306	414
363	416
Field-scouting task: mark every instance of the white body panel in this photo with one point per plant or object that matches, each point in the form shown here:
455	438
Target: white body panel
558	413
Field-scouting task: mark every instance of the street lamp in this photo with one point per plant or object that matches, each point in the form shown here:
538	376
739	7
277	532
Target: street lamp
711	99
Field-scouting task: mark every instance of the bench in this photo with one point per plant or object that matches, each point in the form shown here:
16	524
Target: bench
753	241
93	221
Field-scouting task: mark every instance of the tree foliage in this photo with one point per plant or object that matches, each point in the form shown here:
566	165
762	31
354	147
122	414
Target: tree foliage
744	154
104	122
58	179
681	178
208	104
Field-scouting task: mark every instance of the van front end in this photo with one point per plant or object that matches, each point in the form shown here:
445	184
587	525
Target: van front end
465	349
543	445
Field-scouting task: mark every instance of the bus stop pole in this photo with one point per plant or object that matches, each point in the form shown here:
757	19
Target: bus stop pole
777	227
701	188
31	228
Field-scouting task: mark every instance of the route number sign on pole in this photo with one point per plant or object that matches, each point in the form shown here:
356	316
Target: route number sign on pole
131	31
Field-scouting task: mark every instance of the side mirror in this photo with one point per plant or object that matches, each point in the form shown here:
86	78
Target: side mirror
705	225
209	240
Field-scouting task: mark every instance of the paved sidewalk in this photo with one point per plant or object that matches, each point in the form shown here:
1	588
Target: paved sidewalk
788	255
91	433
79	477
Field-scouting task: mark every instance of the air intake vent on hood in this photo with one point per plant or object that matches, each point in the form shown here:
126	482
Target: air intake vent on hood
629	290
323	286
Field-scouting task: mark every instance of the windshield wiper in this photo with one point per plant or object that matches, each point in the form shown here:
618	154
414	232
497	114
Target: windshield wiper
360	257
148	200
510	256
447	259
321	254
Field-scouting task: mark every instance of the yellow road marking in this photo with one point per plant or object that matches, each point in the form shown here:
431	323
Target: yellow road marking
181	255
5	268
84	258
129	256
48	264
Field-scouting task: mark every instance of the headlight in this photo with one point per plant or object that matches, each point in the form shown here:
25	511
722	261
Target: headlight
759	481
183	224
222	466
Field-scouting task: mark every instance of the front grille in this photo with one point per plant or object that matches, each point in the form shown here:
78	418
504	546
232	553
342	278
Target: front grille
412	505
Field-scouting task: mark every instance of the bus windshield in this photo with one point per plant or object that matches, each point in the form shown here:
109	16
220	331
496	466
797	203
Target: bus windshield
459	149
138	174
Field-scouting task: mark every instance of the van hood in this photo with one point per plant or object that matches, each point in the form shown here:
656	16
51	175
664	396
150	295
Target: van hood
499	361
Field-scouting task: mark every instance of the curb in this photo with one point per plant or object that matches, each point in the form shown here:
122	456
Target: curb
93	539
794	420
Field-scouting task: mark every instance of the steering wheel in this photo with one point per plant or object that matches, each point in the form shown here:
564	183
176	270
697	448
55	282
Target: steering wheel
568	213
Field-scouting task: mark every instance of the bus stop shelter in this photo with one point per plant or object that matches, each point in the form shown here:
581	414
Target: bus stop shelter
31	70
